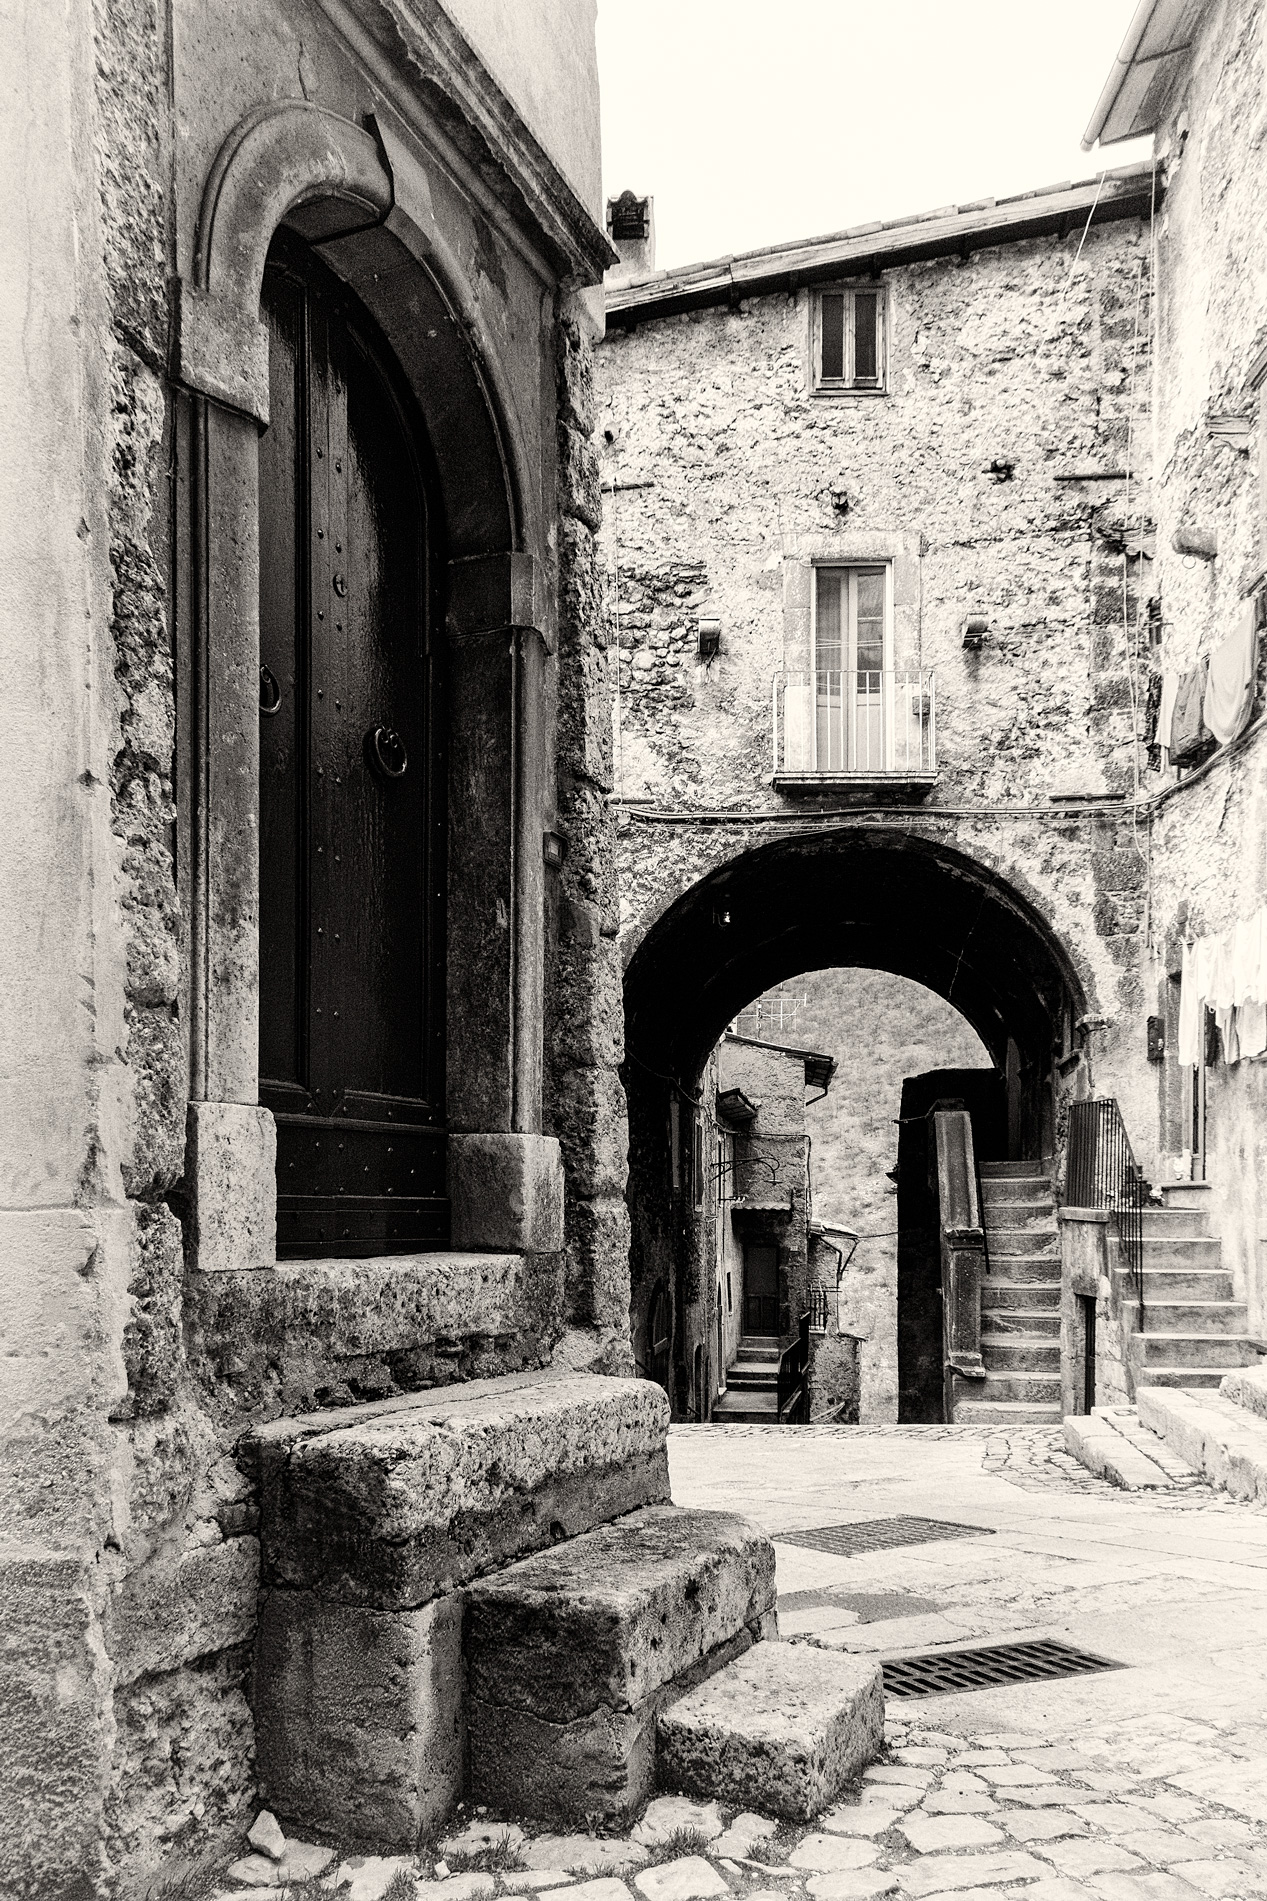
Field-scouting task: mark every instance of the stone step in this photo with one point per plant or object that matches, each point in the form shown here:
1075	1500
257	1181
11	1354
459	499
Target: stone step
1154	1348
1114	1455
1190	1250
736	1408
783	1730
1022	1243
989	1412
1248	1388
1005	1171
1041	1268
1019	1294
1175	1223
743	1373
1206	1376
1189	1317
1224	1442
572	1655
1020	1190
1019	1214
1186	1283
372	1518
1192	1195
1041	1323
1026	1389
1013	1353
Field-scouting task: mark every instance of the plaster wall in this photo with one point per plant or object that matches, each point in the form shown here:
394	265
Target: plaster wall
1209	836
1014	355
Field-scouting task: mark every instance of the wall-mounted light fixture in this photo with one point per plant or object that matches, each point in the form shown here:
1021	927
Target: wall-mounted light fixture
554	849
1201	542
974	632
709	638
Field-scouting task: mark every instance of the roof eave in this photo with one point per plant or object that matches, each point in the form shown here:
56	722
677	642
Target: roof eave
1141	82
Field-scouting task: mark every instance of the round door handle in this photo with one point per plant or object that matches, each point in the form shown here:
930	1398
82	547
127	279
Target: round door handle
385	750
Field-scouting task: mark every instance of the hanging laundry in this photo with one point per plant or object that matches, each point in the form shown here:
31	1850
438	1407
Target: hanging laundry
1191	1010
1166	713
1229	693
1226	973
1189	737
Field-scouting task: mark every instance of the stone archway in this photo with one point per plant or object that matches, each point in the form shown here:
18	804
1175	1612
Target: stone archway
846	896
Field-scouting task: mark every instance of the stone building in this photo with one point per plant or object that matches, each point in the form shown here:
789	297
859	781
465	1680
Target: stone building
309	996
906	528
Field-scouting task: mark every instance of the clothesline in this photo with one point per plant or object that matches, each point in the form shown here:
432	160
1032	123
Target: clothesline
1211	701
1226	973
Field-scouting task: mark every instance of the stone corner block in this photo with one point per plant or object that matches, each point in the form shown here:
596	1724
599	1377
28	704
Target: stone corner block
783	1728
506	1192
231	1169
339	1684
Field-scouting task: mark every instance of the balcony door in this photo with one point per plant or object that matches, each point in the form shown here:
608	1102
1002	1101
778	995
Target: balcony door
853	663
351	799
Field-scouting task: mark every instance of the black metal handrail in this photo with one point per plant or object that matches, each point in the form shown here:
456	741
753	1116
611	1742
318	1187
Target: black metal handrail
1101	1172
793	1377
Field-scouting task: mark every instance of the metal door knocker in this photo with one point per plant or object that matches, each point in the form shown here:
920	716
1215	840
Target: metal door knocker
270	693
385	750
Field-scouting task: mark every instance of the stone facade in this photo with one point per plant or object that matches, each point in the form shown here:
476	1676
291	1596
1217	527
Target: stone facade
445	165
1018	373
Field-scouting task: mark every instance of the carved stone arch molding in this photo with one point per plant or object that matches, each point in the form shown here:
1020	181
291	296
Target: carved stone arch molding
362	196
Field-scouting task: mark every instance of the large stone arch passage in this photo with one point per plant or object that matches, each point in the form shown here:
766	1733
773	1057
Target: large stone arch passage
848	896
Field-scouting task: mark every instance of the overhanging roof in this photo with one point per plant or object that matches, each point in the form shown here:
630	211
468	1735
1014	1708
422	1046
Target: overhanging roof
954	230
1153	54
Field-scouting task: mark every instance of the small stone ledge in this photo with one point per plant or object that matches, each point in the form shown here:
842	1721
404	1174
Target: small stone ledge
310	1334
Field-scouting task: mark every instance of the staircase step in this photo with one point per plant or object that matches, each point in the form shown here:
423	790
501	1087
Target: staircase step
784	1730
1022	1243
1185	1250
1041	1268
1205	1376
1224	1442
752	1376
1026	1389
1011	1353
1025	1190
1019	1295
1040	1323
571	1655
744	1408
1215	1317
1186	1194
1175	1223
371	1519
1186	1283
1154	1348
1017	1213
1005	1171
986	1412
1115	1455
1248	1388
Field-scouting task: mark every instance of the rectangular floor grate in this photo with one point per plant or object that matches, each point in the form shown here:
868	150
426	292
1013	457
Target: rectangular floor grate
940	1672
879	1534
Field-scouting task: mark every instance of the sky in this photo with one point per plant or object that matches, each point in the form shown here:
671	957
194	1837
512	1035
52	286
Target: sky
753	122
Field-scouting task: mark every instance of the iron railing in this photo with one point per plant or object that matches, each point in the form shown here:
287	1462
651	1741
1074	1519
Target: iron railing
854	724
794	1378
1101	1172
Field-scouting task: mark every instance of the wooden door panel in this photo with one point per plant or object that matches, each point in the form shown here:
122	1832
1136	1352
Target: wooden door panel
351	858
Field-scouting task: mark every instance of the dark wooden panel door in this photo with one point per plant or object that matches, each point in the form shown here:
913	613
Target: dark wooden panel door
351	872
761	1289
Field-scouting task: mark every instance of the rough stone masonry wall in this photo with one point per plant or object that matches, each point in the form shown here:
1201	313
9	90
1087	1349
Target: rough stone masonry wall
881	1029
585	1102
1210	838
1013	356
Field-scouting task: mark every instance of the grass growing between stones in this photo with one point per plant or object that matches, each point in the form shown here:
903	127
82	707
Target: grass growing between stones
502	1856
193	1881
402	1887
683	1841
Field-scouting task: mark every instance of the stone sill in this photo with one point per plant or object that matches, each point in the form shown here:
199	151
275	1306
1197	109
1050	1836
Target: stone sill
1084	1214
917	782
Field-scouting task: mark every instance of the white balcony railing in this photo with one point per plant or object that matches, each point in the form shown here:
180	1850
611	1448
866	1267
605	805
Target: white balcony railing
855	725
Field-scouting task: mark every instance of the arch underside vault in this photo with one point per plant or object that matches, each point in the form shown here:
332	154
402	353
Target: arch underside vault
849	897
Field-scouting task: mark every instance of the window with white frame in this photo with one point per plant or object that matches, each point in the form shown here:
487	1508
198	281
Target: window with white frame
849	339
853	669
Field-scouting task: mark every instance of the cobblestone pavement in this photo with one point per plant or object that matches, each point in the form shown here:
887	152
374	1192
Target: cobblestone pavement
1143	1783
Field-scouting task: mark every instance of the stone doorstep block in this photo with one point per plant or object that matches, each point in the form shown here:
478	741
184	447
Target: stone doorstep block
1223	1442
391	1505
358	1716
781	1730
506	1192
607	1619
572	1655
231	1169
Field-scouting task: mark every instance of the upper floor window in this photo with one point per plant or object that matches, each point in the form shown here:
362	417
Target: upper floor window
849	339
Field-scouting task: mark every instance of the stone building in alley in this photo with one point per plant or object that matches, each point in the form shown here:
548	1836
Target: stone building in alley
913	535
309	995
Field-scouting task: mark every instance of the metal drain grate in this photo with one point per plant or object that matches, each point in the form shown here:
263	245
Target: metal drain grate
879	1534
942	1671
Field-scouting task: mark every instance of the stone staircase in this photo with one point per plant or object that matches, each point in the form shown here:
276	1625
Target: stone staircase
752	1385
1194	1327
1020	1300
483	1592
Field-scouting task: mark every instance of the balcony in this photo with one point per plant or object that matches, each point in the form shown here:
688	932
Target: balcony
855	728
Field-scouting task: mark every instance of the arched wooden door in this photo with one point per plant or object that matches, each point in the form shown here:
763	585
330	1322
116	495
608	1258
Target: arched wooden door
351	788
